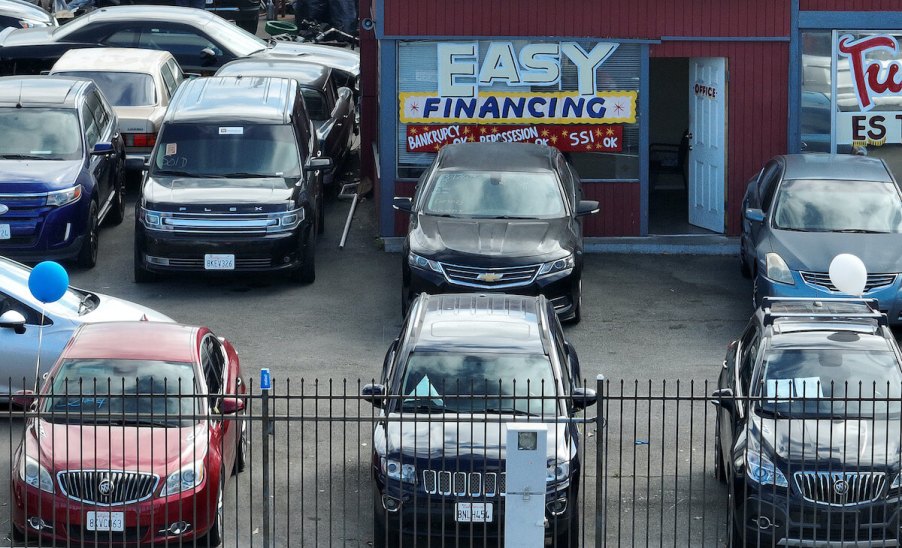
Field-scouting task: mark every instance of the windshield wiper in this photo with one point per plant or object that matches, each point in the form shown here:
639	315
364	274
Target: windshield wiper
510	411
242	174
422	407
137	421
861	231
774	413
176	173
26	157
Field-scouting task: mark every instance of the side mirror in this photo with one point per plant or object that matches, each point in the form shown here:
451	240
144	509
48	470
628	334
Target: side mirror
230	406
374	393
573	360
724	398
102	149
587	207
345	93
320	162
754	214
402	204
146	162
191	75
23	398
583	398
208	53
12	319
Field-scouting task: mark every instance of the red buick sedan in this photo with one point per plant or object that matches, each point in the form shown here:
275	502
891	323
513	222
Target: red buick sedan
131	444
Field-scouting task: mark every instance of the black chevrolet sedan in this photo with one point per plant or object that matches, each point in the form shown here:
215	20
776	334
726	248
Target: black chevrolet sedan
807	432
463	368
497	217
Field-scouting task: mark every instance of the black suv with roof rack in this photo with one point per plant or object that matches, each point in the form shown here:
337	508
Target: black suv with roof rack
464	367
808	426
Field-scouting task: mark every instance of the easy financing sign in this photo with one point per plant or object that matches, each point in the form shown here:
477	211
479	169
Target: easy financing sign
480	96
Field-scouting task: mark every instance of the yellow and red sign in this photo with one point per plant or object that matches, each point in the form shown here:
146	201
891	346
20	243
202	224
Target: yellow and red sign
566	138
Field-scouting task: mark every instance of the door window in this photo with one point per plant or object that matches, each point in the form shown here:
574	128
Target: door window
767	185
89	123
748	355
32	316
168	80
124	38
180	42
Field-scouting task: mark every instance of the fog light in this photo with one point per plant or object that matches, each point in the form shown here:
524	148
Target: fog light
557	507
38	524
162	261
286	259
177	528
390	503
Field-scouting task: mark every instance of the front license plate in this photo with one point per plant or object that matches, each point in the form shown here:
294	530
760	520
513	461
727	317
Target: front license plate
4	232
219	262
106	521
474	512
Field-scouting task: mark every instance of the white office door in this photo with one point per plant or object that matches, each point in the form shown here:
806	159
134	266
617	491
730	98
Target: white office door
707	141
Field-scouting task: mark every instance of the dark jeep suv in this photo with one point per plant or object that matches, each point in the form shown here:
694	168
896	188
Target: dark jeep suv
464	367
808	426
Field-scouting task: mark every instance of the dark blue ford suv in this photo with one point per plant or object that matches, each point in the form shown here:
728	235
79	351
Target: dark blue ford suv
61	168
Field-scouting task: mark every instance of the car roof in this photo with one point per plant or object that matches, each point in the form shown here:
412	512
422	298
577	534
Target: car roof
309	75
834	167
150	341
838	339
475	321
492	156
233	99
145	61
42	91
153	12
27	9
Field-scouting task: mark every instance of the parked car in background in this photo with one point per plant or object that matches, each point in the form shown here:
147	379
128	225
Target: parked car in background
807	429
20	14
139	83
244	13
62	163
331	108
132	443
201	42
802	210
497	217
463	361
23	317
234	183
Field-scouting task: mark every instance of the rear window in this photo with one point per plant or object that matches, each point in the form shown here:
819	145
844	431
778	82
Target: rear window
121	89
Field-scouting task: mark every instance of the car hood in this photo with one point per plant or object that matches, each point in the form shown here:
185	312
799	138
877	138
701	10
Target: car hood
23	37
341	59
219	195
810	443
112	309
98	447
140	119
442	237
813	251
465	435
24	176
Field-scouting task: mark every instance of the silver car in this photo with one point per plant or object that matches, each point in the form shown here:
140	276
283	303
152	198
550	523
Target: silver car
21	322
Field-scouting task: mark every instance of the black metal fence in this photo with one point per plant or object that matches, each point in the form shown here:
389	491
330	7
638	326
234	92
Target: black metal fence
323	467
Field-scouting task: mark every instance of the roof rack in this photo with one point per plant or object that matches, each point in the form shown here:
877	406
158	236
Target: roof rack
816	308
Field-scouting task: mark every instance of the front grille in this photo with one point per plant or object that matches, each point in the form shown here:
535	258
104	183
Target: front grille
464	484
130	535
246	224
25	216
840	488
494	278
107	487
874	281
240	263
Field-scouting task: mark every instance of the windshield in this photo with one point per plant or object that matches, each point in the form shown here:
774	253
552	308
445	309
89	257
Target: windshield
251	150
477	382
39	134
316	104
838	206
830	383
495	194
122	89
136	392
239	41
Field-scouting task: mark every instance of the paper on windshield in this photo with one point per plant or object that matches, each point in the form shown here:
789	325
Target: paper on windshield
424	389
231	131
799	387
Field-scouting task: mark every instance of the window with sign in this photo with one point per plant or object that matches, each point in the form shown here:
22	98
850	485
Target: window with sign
579	96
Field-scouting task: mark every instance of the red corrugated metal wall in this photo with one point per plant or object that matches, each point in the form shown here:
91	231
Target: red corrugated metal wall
849	5
619	214
630	19
757	107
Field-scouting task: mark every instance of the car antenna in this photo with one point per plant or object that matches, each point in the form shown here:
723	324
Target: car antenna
19	100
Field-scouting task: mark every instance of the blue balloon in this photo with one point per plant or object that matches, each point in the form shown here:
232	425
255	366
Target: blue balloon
48	281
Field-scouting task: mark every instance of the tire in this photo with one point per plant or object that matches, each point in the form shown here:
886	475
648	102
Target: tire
117	208
142	275
87	255
743	266
16	535
405	300
720	473
578	305
383	534
379	531
570	537
320	217
214	535
755	292
241	451
306	272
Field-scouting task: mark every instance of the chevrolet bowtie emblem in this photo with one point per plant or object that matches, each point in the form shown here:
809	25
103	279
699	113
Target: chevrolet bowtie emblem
489	277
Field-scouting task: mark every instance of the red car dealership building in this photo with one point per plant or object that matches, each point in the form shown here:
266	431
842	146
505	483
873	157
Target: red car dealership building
666	109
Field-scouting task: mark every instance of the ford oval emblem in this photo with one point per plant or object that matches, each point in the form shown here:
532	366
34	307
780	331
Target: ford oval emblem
3	209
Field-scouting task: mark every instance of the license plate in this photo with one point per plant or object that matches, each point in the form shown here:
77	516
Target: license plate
106	521
219	262
4	232
474	512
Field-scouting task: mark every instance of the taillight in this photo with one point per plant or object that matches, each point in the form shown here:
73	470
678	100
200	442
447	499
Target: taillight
140	139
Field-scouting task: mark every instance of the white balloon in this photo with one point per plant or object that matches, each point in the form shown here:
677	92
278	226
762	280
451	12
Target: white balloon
848	274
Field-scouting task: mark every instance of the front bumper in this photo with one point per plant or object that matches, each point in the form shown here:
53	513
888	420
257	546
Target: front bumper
46	233
889	297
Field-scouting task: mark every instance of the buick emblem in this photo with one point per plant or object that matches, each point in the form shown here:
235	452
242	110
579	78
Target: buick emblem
3	209
489	277
105	487
841	487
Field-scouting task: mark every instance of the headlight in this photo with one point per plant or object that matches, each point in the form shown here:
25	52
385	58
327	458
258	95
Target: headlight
761	470
187	478
34	474
897	483
777	269
59	198
152	220
558	470
416	261
397	471
560	265
286	221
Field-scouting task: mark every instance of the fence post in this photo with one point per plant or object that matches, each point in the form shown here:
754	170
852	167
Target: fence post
265	387
599	459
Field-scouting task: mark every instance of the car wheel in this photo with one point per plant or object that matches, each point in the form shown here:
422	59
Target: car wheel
306	273
743	266
214	536
87	255
16	535
755	292
117	209
720	473
570	537
405	299
383	534
577	304
320	217
142	275
241	451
